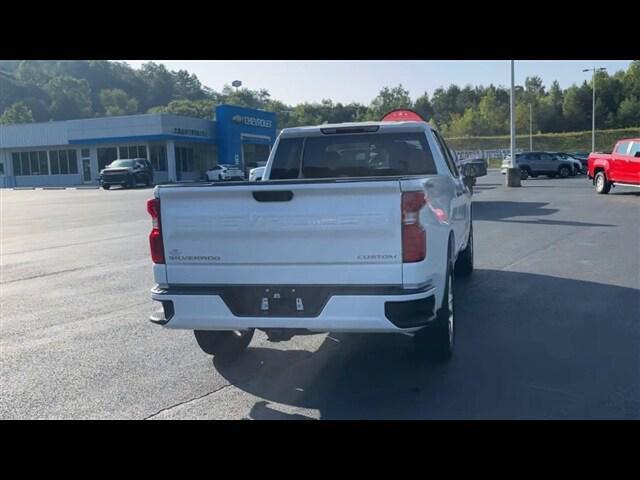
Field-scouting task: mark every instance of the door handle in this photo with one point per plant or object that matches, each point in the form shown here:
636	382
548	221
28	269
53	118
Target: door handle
273	196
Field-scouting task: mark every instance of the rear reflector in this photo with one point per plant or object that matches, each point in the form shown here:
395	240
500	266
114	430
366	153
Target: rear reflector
155	237
414	238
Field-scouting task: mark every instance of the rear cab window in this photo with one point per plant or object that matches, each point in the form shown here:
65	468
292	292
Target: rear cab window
353	155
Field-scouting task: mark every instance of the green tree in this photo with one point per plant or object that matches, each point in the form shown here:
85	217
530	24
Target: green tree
19	112
158	82
389	99
629	112
188	108
576	108
70	98
117	102
423	106
33	72
187	86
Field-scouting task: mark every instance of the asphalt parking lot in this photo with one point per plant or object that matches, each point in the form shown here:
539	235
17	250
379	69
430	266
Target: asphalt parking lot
548	327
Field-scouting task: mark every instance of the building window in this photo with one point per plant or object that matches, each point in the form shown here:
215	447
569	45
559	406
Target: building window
184	159
158	155
30	163
63	162
106	156
1	169
85	153
132	151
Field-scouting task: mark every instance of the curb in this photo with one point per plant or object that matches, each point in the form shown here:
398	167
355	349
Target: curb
54	188
24	188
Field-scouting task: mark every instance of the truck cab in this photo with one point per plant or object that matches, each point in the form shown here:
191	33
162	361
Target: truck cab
620	167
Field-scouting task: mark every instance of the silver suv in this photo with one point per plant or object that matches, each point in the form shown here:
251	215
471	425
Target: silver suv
532	164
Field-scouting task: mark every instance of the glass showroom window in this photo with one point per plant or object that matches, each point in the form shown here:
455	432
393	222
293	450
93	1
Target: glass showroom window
132	151
158	157
184	159
30	163
63	162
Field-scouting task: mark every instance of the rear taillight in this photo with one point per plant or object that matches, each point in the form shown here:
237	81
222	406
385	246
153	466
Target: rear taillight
414	238
155	237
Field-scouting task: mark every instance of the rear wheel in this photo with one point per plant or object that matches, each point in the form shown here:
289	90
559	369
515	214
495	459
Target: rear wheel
224	344
564	172
106	187
131	182
436	340
524	173
602	184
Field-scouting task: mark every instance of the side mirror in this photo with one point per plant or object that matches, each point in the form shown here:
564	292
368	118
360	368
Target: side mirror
474	169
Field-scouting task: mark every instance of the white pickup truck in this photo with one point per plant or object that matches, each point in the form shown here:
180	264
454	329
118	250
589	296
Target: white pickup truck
356	227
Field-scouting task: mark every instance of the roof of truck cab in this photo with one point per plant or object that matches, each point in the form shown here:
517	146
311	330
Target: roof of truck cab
383	126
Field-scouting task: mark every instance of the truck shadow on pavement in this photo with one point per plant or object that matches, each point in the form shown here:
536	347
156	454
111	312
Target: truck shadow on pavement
528	347
501	211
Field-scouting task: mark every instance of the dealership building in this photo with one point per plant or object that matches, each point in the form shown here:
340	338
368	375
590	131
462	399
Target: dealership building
181	149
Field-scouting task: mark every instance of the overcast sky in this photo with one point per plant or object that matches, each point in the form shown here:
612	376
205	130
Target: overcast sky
360	81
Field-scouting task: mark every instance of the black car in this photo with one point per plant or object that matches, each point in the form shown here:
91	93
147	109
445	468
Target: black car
582	156
127	173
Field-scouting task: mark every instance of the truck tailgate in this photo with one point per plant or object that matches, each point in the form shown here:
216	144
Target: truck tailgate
316	233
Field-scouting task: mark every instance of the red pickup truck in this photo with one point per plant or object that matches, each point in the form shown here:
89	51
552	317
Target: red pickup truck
620	167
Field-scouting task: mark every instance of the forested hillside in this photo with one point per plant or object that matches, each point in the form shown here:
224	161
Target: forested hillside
39	91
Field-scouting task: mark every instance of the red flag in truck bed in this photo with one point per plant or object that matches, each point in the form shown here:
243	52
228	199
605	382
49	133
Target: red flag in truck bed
402	115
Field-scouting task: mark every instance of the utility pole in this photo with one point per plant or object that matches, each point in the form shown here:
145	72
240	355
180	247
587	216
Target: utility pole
530	129
593	109
513	172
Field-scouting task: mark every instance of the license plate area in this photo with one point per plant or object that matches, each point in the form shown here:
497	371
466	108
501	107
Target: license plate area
275	301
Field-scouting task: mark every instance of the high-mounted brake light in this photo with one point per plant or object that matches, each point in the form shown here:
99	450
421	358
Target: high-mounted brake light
414	238
155	237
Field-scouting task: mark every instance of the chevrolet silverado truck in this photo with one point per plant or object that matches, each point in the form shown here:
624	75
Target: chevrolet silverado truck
127	173
620	167
356	227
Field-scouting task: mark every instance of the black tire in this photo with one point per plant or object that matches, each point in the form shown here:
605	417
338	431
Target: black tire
551	175
564	171
524	173
436	341
106	187
464	263
601	183
224	344
131	182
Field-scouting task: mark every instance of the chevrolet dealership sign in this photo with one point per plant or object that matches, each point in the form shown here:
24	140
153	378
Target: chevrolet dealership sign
252	121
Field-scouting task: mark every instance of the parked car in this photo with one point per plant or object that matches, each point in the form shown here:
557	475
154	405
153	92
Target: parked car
255	174
127	173
577	164
532	164
356	227
620	167
582	156
225	172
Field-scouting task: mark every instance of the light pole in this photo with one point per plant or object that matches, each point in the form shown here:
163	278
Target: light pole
530	129
513	172
593	111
